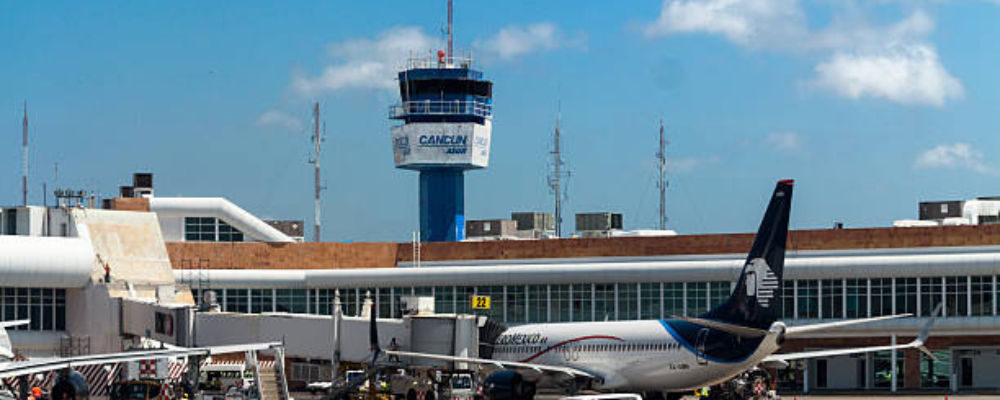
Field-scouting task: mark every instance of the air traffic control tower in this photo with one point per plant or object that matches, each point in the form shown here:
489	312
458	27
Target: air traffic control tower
446	113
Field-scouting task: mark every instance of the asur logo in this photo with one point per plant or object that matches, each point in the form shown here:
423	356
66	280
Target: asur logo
761	282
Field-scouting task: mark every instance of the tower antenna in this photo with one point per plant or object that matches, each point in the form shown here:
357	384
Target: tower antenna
556	186
24	157
317	139
662	183
450	14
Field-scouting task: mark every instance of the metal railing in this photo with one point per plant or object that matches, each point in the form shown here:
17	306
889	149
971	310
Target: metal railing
428	107
444	62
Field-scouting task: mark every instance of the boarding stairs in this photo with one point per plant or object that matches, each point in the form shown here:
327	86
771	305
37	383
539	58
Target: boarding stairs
273	385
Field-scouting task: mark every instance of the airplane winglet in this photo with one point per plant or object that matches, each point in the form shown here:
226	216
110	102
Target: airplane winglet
926	331
10	324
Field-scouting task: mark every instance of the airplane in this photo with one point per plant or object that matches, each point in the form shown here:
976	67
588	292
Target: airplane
71	385
667	356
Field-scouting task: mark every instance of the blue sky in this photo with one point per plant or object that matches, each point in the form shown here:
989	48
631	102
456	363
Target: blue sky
871	106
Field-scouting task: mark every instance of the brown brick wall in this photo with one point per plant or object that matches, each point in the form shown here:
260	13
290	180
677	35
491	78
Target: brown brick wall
386	254
326	255
130	204
911	368
825	239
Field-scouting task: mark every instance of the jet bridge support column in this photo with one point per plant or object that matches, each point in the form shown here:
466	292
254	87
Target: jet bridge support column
894	372
337	317
805	377
192	375
22	386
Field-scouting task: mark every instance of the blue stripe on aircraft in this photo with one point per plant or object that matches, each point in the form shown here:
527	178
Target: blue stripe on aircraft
693	350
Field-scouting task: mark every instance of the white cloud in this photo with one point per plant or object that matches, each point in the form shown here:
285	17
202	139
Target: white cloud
747	22
787	142
514	40
848	33
280	119
367	63
955	156
372	63
894	62
907	74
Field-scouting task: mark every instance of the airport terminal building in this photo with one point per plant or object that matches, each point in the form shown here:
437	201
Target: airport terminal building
257	271
912	271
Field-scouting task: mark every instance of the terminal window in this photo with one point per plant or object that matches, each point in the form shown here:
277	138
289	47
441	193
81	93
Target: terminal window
832	298
208	229
982	295
538	303
583	302
45	307
560	305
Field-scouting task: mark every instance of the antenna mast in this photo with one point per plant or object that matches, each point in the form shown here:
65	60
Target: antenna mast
449	31
317	139
555	179
661	158
24	157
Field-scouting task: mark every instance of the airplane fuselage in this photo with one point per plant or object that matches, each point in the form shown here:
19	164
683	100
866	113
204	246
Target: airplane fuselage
649	355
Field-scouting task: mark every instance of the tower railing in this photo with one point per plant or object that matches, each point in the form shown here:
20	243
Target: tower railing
441	62
441	107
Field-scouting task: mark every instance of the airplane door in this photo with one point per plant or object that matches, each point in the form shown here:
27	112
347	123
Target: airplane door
700	346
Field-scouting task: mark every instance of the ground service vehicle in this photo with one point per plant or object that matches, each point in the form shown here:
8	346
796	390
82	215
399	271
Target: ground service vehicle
411	387
318	387
461	386
220	377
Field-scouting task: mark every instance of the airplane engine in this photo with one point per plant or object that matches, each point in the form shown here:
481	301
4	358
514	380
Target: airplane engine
508	385
70	385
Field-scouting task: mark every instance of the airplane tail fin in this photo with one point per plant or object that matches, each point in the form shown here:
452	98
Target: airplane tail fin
756	299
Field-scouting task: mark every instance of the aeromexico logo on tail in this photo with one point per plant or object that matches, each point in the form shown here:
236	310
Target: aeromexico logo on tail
761	282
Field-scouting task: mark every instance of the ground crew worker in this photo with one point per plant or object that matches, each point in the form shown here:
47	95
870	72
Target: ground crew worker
393	346
36	393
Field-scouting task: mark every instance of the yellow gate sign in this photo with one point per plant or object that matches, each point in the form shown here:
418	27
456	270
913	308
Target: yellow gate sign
480	302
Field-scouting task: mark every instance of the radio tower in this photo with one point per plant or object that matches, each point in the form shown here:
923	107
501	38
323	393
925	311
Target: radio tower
316	139
24	157
661	158
449	31
555	178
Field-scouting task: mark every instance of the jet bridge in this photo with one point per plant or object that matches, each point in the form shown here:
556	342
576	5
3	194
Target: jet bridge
167	323
343	338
